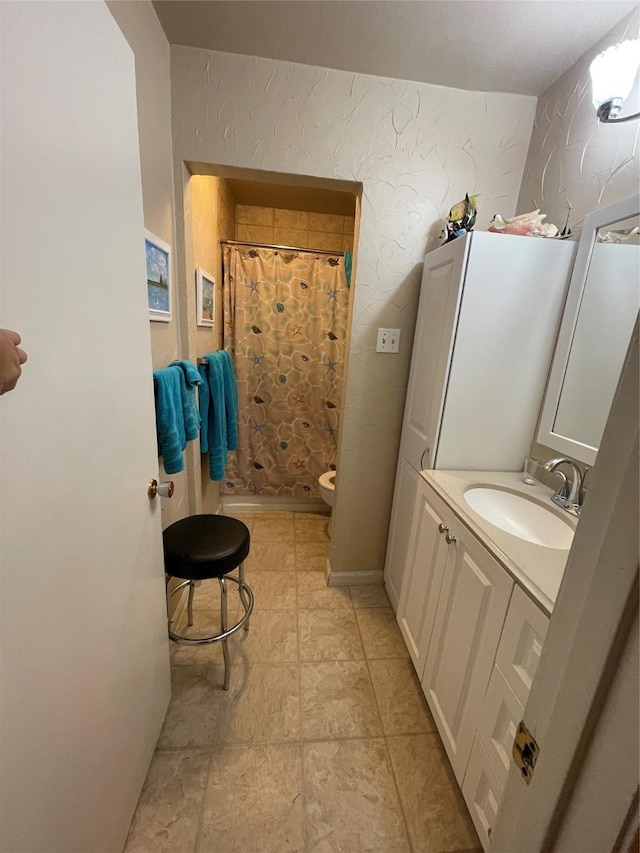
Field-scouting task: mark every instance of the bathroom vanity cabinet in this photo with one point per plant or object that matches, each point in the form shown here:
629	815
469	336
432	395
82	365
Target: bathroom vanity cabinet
475	637
490	307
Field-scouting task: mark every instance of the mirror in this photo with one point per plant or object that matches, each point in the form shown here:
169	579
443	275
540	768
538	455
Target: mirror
599	316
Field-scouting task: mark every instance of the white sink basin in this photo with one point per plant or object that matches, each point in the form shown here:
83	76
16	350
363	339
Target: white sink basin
520	516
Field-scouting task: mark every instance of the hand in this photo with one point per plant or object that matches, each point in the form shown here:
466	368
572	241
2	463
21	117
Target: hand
11	359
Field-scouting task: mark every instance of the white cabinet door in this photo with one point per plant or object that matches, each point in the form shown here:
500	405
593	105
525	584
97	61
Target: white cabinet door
482	792
404	500
498	724
525	629
432	348
514	288
427	554
471	611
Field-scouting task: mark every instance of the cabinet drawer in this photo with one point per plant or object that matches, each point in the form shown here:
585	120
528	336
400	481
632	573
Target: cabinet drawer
501	713
525	629
482	792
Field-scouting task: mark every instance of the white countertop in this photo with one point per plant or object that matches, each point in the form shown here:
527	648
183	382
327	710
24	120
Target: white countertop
537	569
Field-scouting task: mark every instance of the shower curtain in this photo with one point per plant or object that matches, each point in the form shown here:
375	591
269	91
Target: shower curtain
285	322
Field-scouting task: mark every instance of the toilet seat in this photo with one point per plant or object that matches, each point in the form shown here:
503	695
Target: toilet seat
328	480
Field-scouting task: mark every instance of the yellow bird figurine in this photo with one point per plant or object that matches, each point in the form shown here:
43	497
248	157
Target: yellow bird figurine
462	217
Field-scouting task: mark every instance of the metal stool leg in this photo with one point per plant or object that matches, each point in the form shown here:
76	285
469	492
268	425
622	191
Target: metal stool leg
242	592
223	628
192	587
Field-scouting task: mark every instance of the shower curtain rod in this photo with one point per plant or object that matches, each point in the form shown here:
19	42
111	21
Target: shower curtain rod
287	248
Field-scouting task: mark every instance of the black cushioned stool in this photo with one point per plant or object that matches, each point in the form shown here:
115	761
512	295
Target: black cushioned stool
203	547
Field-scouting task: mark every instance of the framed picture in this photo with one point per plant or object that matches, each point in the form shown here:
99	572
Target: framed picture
206	298
158	255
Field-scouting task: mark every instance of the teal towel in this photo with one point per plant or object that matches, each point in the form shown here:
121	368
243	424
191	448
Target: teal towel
214	428
190	380
169	417
348	263
230	398
205	404
218	411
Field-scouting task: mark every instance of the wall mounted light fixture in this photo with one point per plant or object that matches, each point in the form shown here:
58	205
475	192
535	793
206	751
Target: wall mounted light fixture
612	76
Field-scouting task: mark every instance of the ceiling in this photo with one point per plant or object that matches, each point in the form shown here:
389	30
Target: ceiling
290	197
519	46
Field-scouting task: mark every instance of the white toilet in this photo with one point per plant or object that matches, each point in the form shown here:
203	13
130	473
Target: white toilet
327	484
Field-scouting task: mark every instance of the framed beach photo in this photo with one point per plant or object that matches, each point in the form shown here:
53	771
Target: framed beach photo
206	298
158	254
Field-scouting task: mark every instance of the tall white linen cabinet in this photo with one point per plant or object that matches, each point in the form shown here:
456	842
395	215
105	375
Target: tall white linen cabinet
489	312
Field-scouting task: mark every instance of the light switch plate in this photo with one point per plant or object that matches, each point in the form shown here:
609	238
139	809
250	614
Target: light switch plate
388	340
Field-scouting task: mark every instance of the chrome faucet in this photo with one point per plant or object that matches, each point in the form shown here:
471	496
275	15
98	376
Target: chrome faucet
569	499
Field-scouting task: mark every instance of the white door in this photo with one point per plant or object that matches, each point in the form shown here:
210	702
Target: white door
471	611
432	349
404	500
428	548
85	675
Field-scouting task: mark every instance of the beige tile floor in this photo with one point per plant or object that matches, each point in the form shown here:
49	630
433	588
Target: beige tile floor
323	744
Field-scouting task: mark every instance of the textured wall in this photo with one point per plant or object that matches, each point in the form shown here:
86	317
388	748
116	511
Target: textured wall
226	225
574	159
213	219
140	26
206	253
416	149
299	228
571	157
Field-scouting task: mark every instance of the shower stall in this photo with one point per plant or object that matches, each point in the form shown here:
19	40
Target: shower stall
285	322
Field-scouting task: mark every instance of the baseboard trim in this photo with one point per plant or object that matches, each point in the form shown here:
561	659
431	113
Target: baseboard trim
241	503
352	578
393	598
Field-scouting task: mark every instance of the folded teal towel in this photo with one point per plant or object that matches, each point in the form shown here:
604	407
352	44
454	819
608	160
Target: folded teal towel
230	398
348	263
191	379
204	396
213	432
169	417
218	411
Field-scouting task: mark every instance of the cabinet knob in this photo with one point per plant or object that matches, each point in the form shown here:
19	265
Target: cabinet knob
450	539
443	528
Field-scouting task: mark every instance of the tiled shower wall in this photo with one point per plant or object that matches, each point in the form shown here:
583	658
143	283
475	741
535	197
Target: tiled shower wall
327	231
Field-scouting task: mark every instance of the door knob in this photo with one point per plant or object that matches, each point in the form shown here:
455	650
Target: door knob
443	528
450	539
165	490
